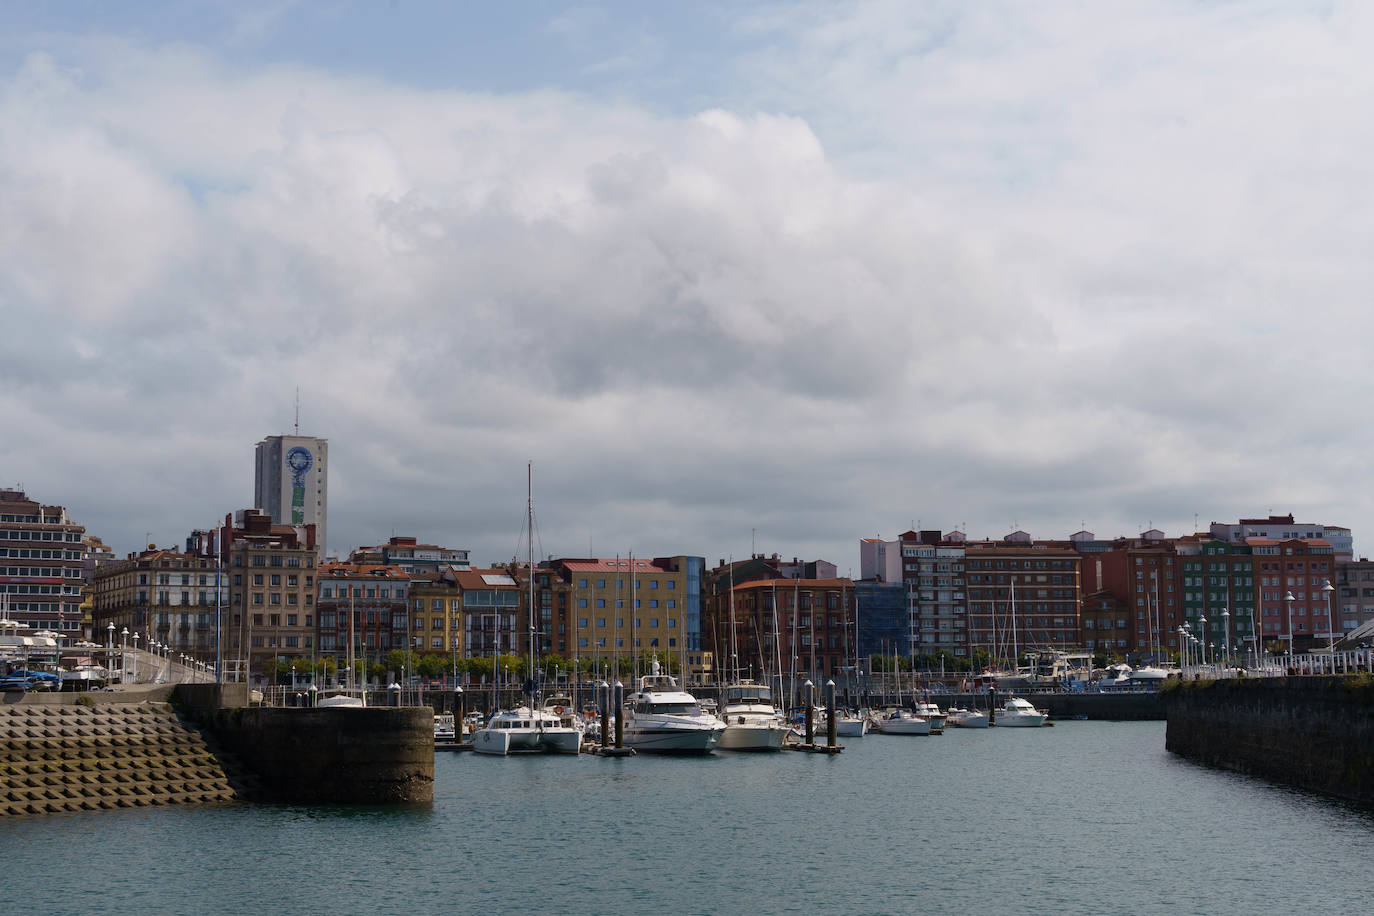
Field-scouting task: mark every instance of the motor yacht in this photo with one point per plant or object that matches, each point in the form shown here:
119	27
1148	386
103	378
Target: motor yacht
752	723
1019	713
661	717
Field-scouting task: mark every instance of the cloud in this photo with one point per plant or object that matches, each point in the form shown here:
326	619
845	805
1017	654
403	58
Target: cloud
982	265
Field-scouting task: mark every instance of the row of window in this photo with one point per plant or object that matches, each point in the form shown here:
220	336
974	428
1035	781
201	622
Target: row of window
620	583
9	534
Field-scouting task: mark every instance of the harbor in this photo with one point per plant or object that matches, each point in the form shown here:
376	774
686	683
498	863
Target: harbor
1026	821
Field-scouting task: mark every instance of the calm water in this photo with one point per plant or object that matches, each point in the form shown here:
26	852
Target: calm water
1083	817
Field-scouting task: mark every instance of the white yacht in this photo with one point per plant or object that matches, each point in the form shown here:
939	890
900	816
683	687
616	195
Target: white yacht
526	730
902	722
661	717
930	712
751	721
967	718
1019	713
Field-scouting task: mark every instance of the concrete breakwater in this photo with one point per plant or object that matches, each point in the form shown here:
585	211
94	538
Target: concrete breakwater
171	746
372	755
1315	733
68	757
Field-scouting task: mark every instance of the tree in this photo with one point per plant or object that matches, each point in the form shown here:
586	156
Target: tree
433	665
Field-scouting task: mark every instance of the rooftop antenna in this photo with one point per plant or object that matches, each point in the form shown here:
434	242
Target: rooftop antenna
298	410
753	549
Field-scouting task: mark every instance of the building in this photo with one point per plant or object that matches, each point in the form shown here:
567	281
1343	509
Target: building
879	560
1355	598
291	483
492	603
41	565
1106	624
1295	575
1284	528
271	570
436	611
937	605
803	628
1021	596
883	618
161	598
415	558
366	606
606	608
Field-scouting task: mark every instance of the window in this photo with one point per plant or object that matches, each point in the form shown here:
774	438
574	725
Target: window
601	602
257	580
582	621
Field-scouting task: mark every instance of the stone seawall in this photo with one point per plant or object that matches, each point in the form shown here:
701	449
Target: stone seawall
373	755
1316	733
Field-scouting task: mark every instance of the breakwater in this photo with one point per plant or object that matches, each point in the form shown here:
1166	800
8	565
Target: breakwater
73	756
183	745
1315	733
373	755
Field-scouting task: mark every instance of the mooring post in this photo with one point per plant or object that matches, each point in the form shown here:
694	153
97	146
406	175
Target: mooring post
619	703
809	694
830	713
603	695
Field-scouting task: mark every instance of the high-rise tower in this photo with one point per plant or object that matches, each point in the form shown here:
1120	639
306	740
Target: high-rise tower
291	482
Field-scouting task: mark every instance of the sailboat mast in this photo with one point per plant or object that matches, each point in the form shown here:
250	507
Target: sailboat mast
1015	650
529	561
734	644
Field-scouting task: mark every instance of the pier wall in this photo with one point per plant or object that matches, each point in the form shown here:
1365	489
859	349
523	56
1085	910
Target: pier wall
372	755
1316	733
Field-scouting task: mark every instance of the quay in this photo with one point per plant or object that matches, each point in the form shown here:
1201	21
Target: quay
1312	732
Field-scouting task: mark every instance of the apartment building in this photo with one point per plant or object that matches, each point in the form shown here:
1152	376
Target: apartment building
272	571
41	565
162	597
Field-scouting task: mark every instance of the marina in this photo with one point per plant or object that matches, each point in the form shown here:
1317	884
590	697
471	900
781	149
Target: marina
1087	815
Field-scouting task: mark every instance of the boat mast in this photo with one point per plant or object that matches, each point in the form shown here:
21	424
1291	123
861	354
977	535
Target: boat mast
529	561
734	644
1015	651
777	642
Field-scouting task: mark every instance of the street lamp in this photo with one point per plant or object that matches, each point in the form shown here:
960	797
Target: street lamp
1202	621
1288	600
135	658
1331	620
124	655
109	646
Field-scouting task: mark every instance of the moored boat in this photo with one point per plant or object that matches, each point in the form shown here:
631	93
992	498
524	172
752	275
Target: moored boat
902	722
1019	713
967	718
751	721
662	718
526	731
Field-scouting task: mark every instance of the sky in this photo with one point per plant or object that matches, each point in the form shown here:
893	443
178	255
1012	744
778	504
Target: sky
733	277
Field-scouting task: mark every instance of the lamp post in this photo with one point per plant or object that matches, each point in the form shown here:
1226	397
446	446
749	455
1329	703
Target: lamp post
1331	620
1288	600
1226	623
1202	621
135	658
109	647
124	655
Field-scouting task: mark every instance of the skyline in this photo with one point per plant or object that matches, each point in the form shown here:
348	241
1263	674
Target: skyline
809	270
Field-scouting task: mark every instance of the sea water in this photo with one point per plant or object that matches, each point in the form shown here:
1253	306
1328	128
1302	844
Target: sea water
1084	817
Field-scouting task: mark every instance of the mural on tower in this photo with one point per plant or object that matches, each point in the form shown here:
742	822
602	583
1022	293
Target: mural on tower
299	460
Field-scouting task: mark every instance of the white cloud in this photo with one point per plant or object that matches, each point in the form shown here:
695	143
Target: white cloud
967	264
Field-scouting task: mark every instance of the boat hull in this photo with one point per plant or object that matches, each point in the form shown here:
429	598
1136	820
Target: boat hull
673	740
851	728
752	738
1019	720
904	727
501	742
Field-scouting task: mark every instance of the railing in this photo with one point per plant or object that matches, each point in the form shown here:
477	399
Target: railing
1304	663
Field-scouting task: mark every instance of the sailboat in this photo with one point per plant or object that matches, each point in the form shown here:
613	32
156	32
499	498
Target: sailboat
529	728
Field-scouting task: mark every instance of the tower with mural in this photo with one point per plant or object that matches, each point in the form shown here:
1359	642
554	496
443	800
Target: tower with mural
291	482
